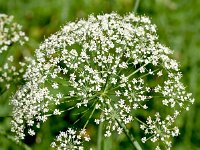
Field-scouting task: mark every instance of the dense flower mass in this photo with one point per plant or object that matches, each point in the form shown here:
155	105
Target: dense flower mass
70	139
105	63
10	32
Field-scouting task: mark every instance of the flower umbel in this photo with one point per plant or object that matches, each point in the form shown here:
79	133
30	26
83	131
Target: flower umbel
10	32
70	139
104	64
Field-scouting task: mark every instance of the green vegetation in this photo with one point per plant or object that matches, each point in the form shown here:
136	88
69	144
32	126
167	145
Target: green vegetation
178	27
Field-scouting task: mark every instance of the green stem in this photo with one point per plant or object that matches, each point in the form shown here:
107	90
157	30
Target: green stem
89	117
129	136
136	71
140	121
99	140
133	141
136	5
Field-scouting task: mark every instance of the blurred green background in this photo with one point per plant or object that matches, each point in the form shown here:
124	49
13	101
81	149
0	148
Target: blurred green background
178	25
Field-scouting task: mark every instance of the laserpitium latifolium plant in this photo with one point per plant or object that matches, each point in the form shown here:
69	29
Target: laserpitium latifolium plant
103	67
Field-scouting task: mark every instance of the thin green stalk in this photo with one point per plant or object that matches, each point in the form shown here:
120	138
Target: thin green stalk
133	141
99	140
136	5
130	75
84	113
148	73
136	71
140	121
89	117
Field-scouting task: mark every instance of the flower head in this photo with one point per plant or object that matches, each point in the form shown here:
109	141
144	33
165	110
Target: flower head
104	63
10	32
70	140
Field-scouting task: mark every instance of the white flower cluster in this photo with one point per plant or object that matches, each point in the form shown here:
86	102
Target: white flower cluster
160	129
11	74
104	63
10	32
70	140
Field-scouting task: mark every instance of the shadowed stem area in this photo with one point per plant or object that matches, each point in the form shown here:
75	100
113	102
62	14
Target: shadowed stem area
11	138
130	137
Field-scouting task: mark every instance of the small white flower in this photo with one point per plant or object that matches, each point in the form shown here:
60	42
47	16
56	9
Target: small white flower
144	139
55	85
114	81
160	73
56	112
31	132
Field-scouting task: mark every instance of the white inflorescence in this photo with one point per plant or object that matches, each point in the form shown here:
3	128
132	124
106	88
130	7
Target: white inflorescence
104	63
70	140
10	32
